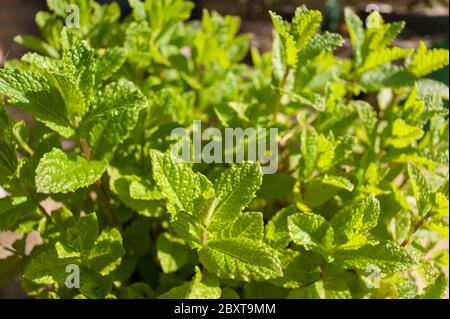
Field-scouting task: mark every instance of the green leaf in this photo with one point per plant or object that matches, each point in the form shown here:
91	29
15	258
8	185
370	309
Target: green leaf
229	293
45	268
234	189
311	231
94	285
8	157
201	287
329	288
308	148
422	190
320	43
339	182
387	256
429	87
179	185
59	172
108	64
437	288
387	75
172	252
317	152
315	101
58	7
187	227
247	225
427	61
34	94
37	44
139	290
380	57
113	117
403	135
305	24
356	31
356	220
240	259
285	51
138	7
72	76
279	64
315	193
132	191
83	234
107	251
299	268
277	232
78	63
142	189
368	117
263	290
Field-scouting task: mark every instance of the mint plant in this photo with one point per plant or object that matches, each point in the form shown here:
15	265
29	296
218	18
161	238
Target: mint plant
357	208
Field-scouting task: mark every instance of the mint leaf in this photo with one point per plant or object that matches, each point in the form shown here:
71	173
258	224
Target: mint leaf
8	157
387	256
179	185
247	225
356	220
113	117
108	64
201	287
45	268
78	63
34	94
356	32
234	189
437	288
403	134
311	231
240	259
18	214
172	252
132	191
421	188
60	172
427	61
105	255
83	234
305	24
339	182
277	232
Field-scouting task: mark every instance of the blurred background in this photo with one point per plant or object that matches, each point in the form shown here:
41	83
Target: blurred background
426	20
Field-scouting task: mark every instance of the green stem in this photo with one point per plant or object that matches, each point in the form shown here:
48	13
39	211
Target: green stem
314	281
416	228
280	88
101	193
22	144
11	250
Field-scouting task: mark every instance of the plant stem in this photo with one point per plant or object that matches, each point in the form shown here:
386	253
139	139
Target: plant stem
22	144
314	281
104	202
85	148
280	88
11	250
416	228
101	193
43	211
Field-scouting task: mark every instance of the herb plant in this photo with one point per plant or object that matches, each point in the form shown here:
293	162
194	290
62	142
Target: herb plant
357	207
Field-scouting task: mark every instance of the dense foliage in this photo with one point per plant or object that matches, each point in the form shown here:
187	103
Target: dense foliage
356	209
